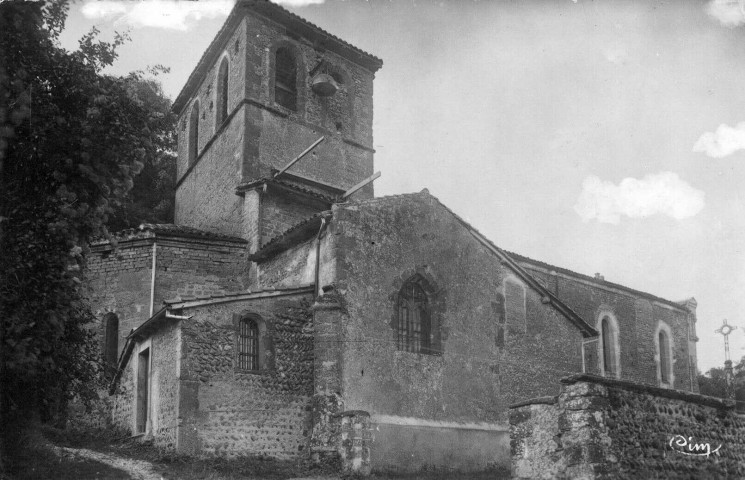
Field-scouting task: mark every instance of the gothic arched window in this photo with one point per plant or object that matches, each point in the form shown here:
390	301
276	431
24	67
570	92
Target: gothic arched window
249	354
609	351
285	78
194	134
413	314
222	93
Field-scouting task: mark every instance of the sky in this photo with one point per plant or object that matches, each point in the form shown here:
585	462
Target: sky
599	136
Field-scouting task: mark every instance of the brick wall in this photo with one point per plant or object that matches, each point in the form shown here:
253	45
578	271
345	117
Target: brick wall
602	428
638	319
226	411
186	267
120	281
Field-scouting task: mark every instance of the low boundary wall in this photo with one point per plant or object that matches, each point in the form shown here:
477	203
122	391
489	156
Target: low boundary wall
602	428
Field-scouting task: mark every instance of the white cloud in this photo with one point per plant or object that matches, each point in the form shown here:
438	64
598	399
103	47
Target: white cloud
169	14
103	9
662	193
298	3
725	141
730	13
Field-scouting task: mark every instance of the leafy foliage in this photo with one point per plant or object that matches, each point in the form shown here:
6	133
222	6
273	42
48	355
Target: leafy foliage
713	383
72	141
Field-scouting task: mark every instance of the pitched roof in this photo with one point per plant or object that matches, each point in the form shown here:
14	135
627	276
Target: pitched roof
285	17
584	327
294	235
288	185
599	282
189	232
150	230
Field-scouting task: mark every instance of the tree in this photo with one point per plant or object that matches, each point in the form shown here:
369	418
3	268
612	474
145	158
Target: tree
72	140
713	383
151	199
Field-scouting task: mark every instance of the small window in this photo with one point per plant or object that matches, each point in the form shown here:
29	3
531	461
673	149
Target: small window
285	79
664	355
514	300
111	342
664	358
194	134
222	93
248	345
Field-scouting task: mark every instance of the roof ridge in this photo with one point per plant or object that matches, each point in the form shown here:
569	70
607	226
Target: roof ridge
257	6
652	296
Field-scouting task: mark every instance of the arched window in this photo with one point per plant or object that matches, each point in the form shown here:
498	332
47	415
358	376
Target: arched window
609	354
111	341
222	93
194	134
664	355
285	79
414	326
249	353
515	309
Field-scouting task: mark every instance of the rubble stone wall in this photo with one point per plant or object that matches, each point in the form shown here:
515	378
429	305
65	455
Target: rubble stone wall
227	411
602	428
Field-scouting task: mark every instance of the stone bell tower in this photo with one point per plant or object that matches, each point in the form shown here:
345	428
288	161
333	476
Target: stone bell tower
270	86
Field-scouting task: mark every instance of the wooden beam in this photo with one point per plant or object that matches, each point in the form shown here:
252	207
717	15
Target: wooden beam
360	185
297	159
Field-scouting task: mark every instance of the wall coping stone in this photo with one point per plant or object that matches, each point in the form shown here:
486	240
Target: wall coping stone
536	401
651	390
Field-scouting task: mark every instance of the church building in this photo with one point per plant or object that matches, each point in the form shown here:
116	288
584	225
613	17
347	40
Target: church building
289	312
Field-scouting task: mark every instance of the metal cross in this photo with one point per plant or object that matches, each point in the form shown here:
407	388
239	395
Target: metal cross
725	330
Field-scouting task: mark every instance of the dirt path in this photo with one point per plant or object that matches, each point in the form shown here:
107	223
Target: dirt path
137	469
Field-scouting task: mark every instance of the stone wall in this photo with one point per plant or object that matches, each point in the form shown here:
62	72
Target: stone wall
261	135
638	315
281	211
227	411
164	381
602	428
383	242
205	196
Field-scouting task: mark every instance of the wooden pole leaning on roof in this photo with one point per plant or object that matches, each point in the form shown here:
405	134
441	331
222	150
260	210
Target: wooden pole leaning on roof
297	159
359	185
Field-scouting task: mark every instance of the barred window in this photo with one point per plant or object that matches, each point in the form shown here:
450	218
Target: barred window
414	327
248	345
285	79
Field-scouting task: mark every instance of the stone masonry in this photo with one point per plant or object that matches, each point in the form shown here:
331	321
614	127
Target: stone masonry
603	428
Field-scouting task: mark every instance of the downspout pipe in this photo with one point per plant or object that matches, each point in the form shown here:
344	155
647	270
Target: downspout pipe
318	257
152	279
